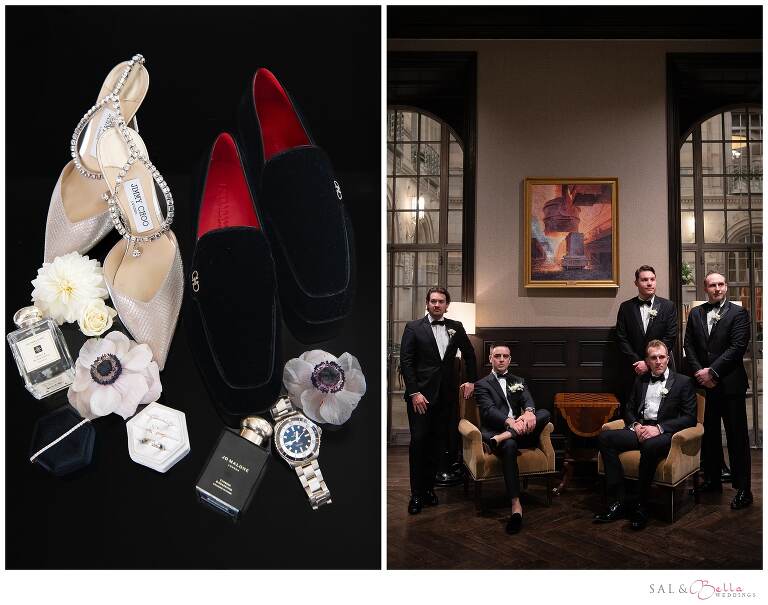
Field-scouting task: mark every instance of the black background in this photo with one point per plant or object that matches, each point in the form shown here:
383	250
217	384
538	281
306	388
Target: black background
116	513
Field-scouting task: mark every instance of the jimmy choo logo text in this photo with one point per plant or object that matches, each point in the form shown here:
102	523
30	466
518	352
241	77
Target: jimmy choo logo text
138	203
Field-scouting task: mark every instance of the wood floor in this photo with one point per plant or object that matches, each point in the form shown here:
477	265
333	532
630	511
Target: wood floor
453	535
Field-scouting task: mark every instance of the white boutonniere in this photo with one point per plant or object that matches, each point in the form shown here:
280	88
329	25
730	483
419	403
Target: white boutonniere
652	313
664	392
716	318
451	332
516	387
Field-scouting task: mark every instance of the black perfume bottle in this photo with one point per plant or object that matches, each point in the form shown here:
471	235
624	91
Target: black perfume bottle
236	467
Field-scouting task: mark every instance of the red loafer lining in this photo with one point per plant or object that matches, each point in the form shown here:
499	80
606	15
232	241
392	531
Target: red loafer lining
281	128
226	200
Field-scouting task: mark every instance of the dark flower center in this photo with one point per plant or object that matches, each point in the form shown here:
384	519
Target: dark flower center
106	369
328	377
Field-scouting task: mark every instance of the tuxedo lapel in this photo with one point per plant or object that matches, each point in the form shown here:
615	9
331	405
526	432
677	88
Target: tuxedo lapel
725	308
643	391
635	310
496	385
430	336
700	316
667	385
656	306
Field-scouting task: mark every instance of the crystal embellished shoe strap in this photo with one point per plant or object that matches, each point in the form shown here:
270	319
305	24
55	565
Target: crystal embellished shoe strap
116	213
112	97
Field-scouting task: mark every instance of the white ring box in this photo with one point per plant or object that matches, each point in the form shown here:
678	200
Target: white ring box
158	437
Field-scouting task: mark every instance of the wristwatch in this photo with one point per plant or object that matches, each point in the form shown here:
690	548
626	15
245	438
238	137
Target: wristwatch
297	440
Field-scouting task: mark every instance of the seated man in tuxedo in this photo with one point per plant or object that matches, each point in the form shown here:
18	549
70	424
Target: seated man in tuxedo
509	420
662	402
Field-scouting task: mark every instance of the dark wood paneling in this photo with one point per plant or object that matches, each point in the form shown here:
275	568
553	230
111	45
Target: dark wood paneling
554	360
548	353
575	22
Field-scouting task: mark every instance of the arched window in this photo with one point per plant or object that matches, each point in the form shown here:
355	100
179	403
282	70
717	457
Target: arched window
721	206
425	184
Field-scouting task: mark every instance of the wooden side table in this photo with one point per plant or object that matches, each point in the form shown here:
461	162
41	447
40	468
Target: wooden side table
585	414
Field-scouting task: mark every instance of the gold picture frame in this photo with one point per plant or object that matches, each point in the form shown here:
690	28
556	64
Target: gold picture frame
571	232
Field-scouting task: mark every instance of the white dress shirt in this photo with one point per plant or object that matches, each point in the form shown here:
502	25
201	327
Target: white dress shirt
653	398
645	313
503	385
441	336
711	316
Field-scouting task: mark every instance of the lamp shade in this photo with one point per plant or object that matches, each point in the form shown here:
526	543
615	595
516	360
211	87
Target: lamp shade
463	312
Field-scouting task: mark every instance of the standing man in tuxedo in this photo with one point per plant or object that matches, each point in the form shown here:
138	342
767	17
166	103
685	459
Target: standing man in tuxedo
427	354
509	421
716	338
641	319
662	403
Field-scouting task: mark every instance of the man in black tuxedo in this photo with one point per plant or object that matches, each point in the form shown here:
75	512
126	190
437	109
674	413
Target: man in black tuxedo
509	421
641	319
427	353
662	403
716	338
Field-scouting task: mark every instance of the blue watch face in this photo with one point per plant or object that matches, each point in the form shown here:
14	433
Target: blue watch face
297	439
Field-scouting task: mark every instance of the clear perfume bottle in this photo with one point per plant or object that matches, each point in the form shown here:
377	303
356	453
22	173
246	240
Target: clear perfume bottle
41	353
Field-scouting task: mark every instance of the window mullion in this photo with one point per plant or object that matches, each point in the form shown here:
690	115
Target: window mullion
698	205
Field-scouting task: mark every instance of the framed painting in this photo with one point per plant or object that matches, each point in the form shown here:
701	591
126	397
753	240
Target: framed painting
571	233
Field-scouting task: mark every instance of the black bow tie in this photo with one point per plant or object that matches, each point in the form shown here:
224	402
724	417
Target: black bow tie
642	302
658	378
504	375
709	306
438	322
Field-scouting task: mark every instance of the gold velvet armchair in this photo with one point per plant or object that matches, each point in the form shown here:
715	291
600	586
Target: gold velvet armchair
482	466
681	463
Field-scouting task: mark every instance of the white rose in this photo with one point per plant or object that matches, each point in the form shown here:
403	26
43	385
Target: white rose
96	318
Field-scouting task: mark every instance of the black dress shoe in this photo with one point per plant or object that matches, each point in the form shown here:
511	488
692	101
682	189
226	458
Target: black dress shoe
430	498
415	504
231	312
708	486
725	474
301	203
515	523
615	511
742	499
638	519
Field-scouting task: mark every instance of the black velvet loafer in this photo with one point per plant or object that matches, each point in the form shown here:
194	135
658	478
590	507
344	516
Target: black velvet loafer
232	316
515	523
301	204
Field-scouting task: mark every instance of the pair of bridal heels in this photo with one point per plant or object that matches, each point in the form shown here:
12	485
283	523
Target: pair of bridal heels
111	183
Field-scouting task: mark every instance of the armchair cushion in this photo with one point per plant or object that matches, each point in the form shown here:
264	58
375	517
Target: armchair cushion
486	466
684	453
682	460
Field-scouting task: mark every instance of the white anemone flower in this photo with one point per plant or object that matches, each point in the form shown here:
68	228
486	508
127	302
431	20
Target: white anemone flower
326	388
114	374
63	287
